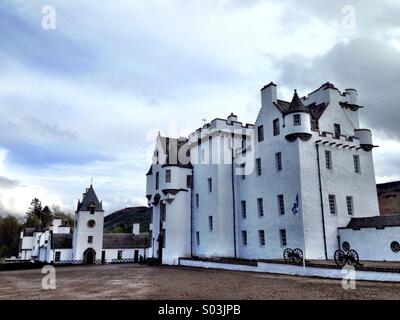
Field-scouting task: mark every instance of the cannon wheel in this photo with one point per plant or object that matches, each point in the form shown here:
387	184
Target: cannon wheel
287	254
352	258
298	255
340	258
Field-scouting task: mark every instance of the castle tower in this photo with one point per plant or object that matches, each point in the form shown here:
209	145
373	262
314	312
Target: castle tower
297	120
88	230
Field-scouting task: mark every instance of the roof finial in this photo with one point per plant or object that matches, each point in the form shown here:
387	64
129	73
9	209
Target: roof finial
91	182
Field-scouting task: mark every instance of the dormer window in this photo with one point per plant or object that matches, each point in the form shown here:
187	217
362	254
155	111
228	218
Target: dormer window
296	120
92	208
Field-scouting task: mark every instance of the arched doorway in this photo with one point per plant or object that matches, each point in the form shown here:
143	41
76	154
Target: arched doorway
89	256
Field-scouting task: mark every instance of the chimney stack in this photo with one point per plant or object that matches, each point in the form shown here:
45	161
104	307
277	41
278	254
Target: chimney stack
268	94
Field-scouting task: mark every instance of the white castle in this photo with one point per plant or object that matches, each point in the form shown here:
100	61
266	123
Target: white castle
301	177
87	243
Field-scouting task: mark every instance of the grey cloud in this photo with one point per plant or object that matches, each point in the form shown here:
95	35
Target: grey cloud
49	129
371	66
8	183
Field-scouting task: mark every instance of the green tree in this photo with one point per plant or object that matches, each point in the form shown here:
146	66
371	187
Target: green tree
46	217
31	220
66	217
3	251
33	217
117	229
10	229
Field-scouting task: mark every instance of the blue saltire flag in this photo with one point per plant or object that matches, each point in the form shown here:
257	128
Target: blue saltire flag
295	209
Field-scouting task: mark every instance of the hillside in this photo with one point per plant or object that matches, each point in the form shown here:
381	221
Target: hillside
389	198
127	217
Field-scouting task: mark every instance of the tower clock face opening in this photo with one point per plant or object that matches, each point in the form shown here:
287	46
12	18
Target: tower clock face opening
91	223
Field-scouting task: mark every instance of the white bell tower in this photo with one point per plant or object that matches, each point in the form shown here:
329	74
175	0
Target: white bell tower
88	229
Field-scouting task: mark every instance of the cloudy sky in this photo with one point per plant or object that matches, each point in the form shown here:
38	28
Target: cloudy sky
87	98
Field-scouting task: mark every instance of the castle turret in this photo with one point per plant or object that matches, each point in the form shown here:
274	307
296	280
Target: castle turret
365	138
352	96
297	120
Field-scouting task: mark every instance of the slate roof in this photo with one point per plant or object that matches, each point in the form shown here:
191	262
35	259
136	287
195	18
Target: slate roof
296	105
28	232
378	222
110	241
171	145
125	240
61	241
90	199
171	148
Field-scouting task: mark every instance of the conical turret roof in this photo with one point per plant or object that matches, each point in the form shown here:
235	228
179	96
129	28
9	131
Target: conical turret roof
90	200
296	105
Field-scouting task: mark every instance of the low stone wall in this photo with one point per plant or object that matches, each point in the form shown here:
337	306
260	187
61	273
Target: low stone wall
295	270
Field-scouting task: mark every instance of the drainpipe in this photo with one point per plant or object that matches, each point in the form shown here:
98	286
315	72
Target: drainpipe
191	215
321	199
233	201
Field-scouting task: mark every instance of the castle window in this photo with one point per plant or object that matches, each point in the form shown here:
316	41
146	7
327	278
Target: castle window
244	168
332	204
282	234
356	161
276	127
278	161
258	166
328	160
157	180
281	204
337	131
197	200
244	144
210	150
58	256
90	239
260	207
210	223
296	120
261	237
92	208
163	212
167	176
189	181
349	203
198	238
260	135
244	238
119	255
243	207
314	124
209	185
164	238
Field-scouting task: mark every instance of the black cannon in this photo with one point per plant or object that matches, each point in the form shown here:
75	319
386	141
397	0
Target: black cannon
295	256
350	257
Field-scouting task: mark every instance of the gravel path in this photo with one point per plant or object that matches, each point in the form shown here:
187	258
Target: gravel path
131	281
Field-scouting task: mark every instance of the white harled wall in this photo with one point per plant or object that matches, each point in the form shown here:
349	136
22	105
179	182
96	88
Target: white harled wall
299	176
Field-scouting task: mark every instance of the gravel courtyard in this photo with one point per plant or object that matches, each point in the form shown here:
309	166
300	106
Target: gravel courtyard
131	281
